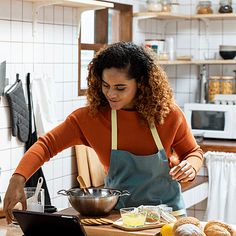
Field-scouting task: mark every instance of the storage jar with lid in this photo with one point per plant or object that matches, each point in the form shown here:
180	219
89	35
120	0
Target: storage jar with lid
154	5
225	6
227	84
166	6
204	7
213	87
174	6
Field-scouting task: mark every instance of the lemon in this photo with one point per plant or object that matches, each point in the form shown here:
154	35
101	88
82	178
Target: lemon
166	230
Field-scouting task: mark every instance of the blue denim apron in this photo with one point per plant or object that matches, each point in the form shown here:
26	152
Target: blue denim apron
145	177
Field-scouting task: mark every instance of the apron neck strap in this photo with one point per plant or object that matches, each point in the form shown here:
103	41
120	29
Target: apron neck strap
156	137
153	129
113	130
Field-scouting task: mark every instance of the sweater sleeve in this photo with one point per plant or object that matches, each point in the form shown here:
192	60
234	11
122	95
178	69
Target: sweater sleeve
185	144
65	135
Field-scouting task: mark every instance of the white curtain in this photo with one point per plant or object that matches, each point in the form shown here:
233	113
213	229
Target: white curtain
222	186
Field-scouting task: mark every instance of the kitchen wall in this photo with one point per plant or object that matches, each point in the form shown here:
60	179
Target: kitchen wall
53	51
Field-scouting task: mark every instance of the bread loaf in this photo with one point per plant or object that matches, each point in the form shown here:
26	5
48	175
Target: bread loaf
217	228
187	220
188	230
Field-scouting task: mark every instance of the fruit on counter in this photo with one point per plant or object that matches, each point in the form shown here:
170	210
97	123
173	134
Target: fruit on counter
167	230
188	230
187	220
217	228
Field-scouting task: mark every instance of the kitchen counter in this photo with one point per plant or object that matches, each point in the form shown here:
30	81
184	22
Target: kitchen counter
218	145
14	230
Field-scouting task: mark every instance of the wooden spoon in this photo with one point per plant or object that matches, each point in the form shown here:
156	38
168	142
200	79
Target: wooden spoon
83	185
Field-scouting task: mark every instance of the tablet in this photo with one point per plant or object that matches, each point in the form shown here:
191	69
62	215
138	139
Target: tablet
48	224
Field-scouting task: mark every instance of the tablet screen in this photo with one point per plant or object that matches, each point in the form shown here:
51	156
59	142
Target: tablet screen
41	224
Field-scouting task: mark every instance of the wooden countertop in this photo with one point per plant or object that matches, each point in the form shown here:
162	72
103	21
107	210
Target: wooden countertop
14	230
219	145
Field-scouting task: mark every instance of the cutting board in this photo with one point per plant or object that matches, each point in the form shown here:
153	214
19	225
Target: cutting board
82	164
96	170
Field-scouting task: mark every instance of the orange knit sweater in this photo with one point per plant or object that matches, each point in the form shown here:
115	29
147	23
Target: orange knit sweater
133	136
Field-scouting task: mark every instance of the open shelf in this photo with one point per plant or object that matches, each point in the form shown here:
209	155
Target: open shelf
82	4
160	15
199	62
172	16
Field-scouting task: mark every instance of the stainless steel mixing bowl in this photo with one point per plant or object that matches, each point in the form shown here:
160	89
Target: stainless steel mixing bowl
99	201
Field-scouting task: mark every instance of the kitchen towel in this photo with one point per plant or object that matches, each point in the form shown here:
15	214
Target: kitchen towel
44	103
222	186
18	110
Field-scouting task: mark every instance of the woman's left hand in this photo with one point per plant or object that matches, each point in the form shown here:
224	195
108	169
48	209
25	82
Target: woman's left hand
183	172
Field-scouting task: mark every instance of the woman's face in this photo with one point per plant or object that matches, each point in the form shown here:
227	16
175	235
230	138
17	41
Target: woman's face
118	88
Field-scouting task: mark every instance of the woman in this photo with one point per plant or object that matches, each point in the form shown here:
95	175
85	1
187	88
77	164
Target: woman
133	124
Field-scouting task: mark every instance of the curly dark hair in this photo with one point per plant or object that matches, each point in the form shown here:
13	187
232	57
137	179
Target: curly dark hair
154	97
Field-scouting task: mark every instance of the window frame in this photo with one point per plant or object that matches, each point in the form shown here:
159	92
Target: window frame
101	33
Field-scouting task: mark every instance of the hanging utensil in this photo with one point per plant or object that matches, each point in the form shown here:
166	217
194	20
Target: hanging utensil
83	185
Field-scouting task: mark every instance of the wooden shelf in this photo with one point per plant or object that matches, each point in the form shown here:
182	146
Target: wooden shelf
199	62
82	4
215	16
160	15
171	16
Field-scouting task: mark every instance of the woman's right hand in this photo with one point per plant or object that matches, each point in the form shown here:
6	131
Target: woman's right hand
14	194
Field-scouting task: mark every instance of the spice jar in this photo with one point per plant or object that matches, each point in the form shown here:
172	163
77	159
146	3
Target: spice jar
213	87
204	7
227	84
225	6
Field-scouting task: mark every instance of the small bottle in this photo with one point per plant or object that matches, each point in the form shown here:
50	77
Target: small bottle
174	7
204	7
213	87
225	6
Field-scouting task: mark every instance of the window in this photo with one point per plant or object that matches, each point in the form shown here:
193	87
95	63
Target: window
99	28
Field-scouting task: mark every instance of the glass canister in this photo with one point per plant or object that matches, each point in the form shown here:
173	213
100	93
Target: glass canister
213	87
204	7
225	6
166	6
154	5
227	84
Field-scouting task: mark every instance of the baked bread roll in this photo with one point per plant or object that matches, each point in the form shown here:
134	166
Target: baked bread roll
187	220
217	228
188	230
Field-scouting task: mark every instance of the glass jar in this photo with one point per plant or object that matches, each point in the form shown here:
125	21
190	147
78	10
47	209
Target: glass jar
213	87
204	7
154	5
227	84
166	6
225	6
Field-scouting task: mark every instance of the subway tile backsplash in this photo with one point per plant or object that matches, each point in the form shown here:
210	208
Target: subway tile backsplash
51	48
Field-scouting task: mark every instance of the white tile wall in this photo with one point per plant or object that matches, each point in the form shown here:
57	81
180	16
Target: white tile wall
53	51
